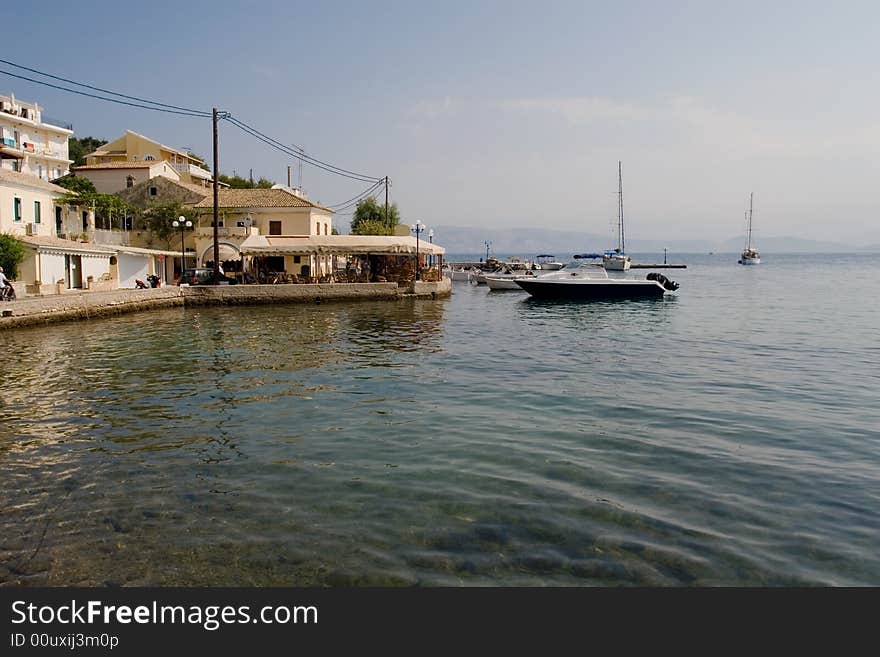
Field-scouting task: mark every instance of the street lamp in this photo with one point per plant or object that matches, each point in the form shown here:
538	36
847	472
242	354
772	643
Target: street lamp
417	228
183	224
431	240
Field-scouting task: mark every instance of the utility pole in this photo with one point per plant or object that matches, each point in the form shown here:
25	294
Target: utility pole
288	175
216	209
386	201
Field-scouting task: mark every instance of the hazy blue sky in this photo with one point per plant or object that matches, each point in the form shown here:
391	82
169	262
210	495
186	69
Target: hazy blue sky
504	113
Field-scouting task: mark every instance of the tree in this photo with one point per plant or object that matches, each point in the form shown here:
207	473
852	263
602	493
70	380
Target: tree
107	207
11	254
158	219
79	148
237	182
79	186
369	218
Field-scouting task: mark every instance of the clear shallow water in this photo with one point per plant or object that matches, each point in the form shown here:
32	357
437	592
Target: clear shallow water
729	435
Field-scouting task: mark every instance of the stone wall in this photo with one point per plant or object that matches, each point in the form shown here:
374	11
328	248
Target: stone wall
32	311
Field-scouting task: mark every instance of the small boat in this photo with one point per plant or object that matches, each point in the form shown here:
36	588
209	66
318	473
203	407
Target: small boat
617	260
507	281
750	255
590	282
547	263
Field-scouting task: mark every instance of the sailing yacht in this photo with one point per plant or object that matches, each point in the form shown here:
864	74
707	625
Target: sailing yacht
617	260
750	255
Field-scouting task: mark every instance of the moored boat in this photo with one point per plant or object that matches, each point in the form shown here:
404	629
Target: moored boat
591	283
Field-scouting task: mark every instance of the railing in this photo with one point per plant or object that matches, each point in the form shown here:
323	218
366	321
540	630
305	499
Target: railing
222	231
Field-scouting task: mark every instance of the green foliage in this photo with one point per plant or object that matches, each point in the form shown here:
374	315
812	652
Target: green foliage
237	182
108	208
369	218
201	161
11	255
79	148
158	219
76	185
372	227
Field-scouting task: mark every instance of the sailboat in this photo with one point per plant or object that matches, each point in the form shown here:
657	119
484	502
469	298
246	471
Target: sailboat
617	260
750	255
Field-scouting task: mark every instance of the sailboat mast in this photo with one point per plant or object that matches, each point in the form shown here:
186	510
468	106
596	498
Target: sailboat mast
620	235
751	195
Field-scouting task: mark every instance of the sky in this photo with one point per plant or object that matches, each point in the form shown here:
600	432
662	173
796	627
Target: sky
503	114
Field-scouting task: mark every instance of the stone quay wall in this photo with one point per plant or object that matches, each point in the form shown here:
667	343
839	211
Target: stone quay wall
34	311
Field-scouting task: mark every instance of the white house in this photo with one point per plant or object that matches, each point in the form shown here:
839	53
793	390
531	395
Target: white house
31	143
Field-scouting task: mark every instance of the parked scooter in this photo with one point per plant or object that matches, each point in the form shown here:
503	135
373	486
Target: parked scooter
7	293
139	284
154	281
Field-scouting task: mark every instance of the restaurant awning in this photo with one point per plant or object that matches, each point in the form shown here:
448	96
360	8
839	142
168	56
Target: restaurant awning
266	245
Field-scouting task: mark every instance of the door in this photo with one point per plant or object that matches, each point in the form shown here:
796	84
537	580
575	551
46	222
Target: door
73	273
59	224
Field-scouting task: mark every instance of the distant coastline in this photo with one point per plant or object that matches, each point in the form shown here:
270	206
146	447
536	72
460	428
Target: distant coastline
525	241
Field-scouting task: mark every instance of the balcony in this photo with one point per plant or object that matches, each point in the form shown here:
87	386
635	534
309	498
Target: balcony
222	231
191	169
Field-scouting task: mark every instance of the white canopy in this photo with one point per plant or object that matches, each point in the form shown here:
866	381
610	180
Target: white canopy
266	245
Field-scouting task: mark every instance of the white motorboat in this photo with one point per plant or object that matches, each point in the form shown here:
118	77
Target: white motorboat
617	260
548	263
507	281
591	283
750	255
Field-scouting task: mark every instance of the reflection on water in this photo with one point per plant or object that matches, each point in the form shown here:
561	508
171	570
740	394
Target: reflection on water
483	439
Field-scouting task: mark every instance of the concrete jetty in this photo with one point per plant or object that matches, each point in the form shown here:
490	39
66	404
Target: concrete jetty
33	311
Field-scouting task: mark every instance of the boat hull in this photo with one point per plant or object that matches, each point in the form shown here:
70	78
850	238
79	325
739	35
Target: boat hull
592	290
616	263
502	283
750	261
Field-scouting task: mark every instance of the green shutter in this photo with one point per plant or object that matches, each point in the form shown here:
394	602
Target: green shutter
36	212
16	205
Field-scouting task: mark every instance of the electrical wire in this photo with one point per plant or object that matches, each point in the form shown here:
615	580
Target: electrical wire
274	143
111	100
359	196
156	106
106	91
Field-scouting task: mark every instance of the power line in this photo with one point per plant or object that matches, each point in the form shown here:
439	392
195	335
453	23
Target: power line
106	91
274	143
156	106
358	197
111	100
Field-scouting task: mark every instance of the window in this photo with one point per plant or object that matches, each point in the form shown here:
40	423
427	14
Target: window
16	209
318	228
129	181
85	216
149	157
297	260
36	212
153	191
326	229
274	227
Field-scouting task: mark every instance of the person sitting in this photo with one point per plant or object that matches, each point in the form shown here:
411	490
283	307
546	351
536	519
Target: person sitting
6	291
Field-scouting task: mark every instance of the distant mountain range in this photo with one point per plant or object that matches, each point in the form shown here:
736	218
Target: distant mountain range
562	243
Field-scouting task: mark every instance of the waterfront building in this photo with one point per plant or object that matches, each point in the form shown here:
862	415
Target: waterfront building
61	250
133	148
114	177
280	211
32	143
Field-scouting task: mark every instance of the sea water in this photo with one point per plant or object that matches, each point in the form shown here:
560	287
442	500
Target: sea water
728	434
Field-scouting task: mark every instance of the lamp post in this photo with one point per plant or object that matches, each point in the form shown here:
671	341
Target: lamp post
417	228
183	224
431	240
